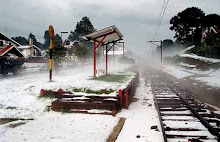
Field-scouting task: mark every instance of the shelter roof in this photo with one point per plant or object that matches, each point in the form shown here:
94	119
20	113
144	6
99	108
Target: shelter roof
112	34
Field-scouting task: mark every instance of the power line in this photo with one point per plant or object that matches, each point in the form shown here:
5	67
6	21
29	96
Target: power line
159	18
162	17
164	10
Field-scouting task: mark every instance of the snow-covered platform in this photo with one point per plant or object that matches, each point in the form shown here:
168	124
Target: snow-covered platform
100	102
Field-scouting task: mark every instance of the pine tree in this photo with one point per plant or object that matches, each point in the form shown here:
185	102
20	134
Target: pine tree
21	40
59	52
83	27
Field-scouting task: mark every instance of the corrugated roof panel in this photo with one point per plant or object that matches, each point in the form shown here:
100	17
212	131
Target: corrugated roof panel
112	34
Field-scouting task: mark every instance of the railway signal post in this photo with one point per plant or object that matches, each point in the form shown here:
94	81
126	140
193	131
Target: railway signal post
51	34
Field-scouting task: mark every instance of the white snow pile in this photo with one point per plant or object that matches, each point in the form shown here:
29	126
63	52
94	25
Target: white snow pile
140	116
176	72
187	65
54	126
194	56
211	79
188	48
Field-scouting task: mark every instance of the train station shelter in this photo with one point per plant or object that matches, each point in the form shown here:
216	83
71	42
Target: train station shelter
104	37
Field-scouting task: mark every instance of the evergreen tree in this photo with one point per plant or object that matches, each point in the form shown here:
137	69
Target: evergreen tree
83	28
59	52
188	24
21	40
46	40
167	43
211	20
73	36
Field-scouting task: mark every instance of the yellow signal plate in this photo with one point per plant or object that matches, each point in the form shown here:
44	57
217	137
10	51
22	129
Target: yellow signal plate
51	31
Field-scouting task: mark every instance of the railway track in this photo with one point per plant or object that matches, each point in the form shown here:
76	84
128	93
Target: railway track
182	117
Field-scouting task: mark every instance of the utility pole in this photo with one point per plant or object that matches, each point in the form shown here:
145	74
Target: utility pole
161	48
51	34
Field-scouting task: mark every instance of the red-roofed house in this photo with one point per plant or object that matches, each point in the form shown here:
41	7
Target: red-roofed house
11	49
210	31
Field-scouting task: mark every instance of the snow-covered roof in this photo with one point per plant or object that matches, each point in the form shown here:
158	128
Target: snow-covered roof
11	48
28	46
110	33
24	47
212	60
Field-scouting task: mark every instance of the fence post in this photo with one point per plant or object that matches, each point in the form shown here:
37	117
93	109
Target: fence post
42	93
60	94
113	112
120	94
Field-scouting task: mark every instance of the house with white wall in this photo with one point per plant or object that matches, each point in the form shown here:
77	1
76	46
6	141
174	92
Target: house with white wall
30	51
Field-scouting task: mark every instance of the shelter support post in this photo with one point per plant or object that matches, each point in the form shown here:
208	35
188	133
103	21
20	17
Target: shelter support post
161	52
50	61
123	49
113	54
94	52
106	59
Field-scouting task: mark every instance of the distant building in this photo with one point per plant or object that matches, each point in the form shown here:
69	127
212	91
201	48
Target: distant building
210	31
30	51
70	45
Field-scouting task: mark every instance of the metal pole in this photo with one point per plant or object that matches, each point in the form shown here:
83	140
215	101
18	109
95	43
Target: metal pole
161	48
51	53
61	38
106	59
123	50
113	53
103	54
94	53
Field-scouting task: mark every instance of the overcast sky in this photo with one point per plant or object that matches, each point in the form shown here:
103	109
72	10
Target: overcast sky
136	19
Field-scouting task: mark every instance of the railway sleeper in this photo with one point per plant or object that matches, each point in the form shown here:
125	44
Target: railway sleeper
181	129
186	136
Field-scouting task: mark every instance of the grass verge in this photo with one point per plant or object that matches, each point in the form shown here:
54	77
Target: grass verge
112	78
